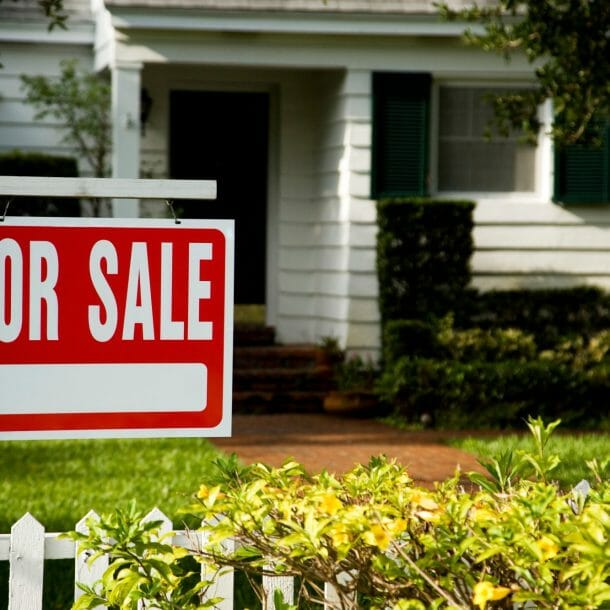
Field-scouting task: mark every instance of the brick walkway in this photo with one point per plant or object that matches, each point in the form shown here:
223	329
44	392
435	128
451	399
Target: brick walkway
324	441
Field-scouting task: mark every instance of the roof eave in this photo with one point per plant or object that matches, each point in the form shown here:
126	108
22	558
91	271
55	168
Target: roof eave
355	24
31	32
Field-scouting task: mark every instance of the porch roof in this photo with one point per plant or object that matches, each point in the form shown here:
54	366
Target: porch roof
373	7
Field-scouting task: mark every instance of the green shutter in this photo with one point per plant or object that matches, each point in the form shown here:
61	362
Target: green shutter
582	173
400	134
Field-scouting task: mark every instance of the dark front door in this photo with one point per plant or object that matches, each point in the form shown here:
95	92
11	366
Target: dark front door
223	136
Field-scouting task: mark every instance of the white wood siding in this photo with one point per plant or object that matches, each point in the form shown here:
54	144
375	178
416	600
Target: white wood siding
342	234
298	259
18	129
531	245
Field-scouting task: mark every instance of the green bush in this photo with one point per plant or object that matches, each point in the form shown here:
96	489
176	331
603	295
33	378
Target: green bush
439	339
412	337
18	163
495	394
423	256
488	345
550	315
517	540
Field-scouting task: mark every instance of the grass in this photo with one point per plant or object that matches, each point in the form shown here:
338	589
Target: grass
574	450
60	481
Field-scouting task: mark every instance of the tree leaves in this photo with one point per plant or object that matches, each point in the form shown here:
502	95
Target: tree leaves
568	43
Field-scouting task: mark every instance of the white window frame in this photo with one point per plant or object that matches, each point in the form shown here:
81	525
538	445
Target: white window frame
543	176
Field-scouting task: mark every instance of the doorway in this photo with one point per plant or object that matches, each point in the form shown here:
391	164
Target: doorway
224	136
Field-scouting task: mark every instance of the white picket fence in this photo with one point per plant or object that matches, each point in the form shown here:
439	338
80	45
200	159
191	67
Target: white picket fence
28	546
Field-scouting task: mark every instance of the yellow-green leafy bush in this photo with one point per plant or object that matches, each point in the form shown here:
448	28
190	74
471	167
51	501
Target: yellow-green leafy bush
384	542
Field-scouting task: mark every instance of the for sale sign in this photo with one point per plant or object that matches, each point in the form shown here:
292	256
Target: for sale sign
114	327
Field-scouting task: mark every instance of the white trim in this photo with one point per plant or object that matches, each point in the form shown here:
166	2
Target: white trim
76	34
153	18
104	187
273	208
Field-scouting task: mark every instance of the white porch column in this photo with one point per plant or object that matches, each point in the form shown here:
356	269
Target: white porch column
126	80
358	216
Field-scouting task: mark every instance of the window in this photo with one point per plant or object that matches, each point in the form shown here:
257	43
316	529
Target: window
401	104
582	173
470	161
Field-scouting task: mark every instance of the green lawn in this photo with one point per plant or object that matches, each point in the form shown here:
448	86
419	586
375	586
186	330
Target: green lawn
60	481
573	449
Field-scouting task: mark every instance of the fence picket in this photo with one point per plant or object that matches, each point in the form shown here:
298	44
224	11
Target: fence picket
86	573
332	599
156	515
223	579
26	559
284	584
27	547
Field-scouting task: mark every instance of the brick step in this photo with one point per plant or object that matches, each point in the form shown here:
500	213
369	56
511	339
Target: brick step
282	379
274	356
277	402
253	334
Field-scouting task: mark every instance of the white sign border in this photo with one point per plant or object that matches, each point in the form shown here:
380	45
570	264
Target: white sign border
224	428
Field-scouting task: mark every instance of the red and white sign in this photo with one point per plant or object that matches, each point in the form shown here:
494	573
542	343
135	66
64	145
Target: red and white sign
113	327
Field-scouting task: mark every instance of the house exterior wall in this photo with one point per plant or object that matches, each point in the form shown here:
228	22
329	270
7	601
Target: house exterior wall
18	128
525	245
321	220
27	47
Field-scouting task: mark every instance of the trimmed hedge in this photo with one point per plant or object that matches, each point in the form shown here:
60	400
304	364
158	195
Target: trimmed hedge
424	248
18	163
410	337
499	394
439	339
548	314
472	359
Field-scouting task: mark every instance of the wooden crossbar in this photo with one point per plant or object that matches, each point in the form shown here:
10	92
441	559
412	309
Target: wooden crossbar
123	188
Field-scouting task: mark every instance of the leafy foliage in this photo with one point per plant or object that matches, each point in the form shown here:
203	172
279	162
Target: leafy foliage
54	11
383	542
423	256
144	571
18	163
568	43
81	102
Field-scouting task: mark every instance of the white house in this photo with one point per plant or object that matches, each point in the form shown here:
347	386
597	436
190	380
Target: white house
305	111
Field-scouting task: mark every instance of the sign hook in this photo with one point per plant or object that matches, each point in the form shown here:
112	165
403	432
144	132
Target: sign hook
170	205
8	202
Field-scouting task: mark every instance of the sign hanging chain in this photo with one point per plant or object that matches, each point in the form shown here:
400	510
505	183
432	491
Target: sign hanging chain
170	205
8	203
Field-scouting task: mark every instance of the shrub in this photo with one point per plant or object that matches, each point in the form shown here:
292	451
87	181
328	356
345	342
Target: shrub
439	339
355	374
550	315
488	345
36	164
497	394
423	255
581	353
410	337
381	541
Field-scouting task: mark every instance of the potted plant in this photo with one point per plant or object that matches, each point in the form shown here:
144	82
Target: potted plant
354	394
329	353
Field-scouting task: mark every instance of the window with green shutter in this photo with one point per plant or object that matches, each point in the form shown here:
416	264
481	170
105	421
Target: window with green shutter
582	173
401	103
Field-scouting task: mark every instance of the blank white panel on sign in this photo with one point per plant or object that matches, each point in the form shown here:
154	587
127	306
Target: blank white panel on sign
102	388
